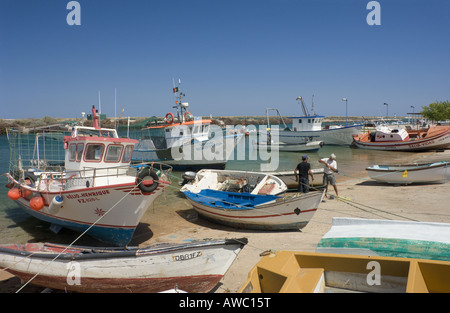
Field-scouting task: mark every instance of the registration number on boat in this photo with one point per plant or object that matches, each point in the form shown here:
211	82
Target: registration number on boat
186	256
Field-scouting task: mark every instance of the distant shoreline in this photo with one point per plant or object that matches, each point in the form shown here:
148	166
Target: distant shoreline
219	120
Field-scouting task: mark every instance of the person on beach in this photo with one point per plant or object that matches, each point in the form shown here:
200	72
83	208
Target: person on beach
301	173
330	167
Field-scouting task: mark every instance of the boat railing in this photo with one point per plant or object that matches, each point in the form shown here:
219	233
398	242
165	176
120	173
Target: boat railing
60	180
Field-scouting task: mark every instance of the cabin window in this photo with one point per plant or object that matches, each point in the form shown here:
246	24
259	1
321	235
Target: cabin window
127	154
309	120
94	152
75	151
300	120
80	147
113	153
72	152
196	129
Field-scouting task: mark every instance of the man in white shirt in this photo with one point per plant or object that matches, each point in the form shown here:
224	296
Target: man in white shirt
330	167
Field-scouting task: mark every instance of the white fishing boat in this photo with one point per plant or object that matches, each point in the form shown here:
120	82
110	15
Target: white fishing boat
407	239
291	211
437	172
310	126
195	266
399	139
256	183
310	146
185	142
83	181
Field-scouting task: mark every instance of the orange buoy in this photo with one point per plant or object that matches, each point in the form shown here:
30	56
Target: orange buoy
27	193
14	193
37	203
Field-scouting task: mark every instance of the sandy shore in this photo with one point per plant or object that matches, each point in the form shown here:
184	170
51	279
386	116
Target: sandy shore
172	219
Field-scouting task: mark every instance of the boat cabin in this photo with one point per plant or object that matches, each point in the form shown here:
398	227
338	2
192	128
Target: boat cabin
93	148
173	135
387	134
89	148
307	123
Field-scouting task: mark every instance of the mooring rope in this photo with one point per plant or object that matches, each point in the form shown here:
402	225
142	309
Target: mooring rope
76	239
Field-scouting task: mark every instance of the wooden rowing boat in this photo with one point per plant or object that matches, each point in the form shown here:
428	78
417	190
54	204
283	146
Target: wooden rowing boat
240	210
195	266
437	172
311	272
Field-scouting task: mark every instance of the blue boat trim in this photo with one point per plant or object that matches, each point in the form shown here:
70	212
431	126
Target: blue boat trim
229	200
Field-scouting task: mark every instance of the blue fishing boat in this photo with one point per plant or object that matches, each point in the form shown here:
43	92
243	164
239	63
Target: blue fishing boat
251	211
230	200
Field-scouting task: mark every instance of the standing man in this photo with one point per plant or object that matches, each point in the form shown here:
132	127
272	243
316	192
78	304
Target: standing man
303	169
330	167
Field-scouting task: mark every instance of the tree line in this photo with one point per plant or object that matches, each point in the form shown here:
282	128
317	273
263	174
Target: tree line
437	111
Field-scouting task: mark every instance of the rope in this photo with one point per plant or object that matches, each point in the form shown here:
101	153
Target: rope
73	242
354	203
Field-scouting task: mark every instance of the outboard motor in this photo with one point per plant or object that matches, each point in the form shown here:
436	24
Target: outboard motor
187	177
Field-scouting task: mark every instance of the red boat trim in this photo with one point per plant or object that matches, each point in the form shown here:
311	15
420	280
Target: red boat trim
106	139
130	185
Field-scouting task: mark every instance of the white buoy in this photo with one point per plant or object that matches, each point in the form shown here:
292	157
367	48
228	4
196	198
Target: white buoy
56	204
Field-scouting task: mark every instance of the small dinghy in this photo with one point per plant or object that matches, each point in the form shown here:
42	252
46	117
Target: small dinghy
437	172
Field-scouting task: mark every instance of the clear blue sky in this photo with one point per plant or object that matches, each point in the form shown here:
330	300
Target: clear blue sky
234	57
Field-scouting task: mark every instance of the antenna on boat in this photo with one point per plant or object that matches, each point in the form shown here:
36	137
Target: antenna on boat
180	106
312	105
99	108
115	107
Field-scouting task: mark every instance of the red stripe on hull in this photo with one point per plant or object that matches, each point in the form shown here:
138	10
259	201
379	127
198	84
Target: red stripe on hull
259	216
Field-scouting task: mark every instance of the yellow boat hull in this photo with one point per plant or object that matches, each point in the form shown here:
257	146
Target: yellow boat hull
309	272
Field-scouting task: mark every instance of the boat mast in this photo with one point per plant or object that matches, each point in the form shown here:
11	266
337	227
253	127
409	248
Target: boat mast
305	110
179	96
312	106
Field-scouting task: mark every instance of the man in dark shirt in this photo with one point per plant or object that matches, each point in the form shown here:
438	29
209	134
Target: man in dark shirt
303	169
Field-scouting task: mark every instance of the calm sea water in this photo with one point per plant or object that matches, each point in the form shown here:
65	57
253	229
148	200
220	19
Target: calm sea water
18	227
